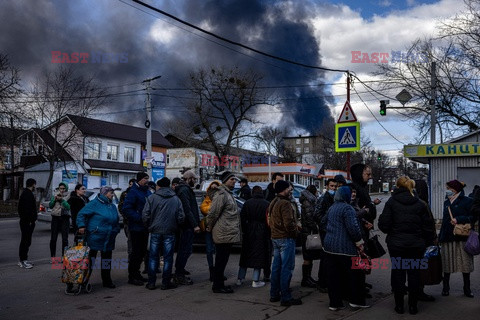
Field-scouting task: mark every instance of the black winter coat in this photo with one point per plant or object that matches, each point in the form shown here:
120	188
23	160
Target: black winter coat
27	206
461	210
363	196
256	250
308	202
76	204
270	192
320	214
190	205
406	221
245	192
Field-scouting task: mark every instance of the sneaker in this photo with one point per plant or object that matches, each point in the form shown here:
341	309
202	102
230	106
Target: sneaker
258	284
291	302
222	290
25	264
274	299
359	306
336	308
239	282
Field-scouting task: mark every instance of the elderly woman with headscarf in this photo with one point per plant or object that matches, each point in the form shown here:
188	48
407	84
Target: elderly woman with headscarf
99	219
342	243
454	257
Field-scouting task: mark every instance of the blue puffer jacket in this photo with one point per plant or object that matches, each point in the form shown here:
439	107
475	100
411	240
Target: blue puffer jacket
461	210
133	207
343	230
100	218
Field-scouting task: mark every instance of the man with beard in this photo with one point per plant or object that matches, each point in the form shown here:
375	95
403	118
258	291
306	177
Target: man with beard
184	190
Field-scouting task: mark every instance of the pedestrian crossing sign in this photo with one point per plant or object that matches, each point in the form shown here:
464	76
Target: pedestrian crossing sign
347	136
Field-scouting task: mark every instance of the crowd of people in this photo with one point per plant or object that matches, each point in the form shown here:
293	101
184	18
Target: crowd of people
159	219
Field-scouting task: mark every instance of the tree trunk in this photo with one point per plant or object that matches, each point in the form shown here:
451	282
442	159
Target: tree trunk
46	192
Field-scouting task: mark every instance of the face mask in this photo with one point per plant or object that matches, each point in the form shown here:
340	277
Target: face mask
332	192
449	193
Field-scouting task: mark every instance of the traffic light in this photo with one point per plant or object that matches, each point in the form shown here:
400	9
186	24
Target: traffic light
379	158
383	108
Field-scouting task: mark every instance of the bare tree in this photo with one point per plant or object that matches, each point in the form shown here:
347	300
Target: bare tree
56	95
12	116
457	74
270	140
225	105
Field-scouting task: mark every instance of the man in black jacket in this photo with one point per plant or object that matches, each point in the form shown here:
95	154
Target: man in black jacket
184	191
27	211
245	191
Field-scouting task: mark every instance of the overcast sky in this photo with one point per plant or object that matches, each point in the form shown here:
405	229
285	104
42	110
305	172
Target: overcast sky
311	32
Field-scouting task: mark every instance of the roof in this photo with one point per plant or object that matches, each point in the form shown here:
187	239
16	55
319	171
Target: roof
207	146
100	128
458	139
114	166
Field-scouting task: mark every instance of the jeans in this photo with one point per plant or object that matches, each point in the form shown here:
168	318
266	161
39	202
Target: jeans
242	272
221	259
210	248
282	268
185	248
60	224
105	265
129	241
139	249
26	227
157	242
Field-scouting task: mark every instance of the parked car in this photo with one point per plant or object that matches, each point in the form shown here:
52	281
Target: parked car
45	213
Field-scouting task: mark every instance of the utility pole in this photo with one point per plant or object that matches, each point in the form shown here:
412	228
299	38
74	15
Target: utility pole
433	99
148	125
348	99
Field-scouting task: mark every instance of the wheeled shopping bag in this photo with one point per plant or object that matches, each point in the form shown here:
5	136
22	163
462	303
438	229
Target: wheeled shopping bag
75	271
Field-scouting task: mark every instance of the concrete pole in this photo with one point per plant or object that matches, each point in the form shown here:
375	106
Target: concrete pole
433	115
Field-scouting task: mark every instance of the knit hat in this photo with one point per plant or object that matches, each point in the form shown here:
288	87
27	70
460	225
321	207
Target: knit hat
226	175
456	185
176	180
164	182
281	185
104	190
141	175
151	184
189	174
340	178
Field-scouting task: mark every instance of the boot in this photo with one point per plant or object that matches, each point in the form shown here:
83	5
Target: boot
306	274
211	273
399	302
466	285
412	301
446	284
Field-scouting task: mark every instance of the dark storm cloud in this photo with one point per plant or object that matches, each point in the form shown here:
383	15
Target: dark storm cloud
32	29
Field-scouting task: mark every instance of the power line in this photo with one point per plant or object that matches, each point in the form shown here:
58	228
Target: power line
234	42
376	117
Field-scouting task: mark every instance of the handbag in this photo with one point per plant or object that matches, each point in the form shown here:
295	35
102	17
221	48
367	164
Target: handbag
313	242
364	263
460	229
472	246
433	274
374	248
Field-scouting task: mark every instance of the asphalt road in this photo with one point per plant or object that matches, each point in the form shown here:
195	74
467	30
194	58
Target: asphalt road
38	293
